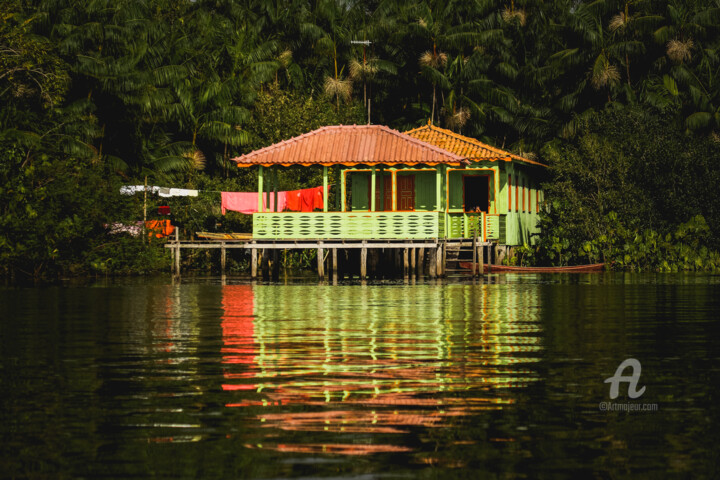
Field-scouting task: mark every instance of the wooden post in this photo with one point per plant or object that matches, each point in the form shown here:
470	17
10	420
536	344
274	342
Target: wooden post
334	264
481	260
474	260
441	261
413	261
363	262
321	261
489	257
421	261
432	271
253	263
325	189
275	265
223	258
177	252
265	264
145	202
406	264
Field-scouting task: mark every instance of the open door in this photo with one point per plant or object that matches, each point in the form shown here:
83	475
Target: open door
476	193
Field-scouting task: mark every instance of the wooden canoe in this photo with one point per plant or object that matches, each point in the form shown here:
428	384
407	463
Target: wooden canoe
594	267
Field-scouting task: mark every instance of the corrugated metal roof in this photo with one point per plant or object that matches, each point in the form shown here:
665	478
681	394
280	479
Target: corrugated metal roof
466	147
350	145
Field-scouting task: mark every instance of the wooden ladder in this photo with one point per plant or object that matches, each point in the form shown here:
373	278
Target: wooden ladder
458	251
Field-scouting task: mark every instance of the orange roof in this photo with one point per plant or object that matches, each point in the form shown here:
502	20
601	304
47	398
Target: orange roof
350	145
466	147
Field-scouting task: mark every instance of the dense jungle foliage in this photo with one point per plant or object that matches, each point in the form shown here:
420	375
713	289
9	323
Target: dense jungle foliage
620	98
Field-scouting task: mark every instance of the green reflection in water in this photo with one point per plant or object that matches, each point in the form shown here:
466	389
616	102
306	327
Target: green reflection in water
377	359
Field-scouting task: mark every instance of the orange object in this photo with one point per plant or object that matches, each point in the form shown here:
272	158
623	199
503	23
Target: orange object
161	228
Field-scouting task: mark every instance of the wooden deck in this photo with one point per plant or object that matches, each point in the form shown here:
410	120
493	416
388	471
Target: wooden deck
413	257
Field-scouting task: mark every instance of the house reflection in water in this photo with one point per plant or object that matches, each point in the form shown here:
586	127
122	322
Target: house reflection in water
334	360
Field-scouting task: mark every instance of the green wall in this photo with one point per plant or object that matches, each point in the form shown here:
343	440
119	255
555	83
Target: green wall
424	189
516	225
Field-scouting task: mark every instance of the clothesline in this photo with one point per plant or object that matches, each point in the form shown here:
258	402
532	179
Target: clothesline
303	200
161	191
174	192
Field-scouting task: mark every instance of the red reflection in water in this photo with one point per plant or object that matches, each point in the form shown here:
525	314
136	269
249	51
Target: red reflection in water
238	333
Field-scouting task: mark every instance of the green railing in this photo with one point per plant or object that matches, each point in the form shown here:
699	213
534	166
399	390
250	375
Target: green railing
348	225
492	226
464	225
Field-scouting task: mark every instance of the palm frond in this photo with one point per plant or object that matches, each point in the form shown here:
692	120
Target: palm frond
338	88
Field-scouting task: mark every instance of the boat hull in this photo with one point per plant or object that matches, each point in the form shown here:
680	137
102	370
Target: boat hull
590	268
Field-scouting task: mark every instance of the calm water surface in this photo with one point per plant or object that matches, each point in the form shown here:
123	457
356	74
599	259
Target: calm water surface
146	379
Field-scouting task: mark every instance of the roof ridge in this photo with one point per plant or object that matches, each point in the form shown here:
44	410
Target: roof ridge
420	143
324	128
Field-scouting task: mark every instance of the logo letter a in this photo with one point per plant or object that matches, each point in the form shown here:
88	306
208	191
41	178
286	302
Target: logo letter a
633	379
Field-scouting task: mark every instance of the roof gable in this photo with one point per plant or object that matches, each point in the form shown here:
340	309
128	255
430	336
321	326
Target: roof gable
350	145
466	147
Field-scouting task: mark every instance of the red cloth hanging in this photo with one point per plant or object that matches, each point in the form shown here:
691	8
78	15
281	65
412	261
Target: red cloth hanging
308	200
305	200
164	210
294	200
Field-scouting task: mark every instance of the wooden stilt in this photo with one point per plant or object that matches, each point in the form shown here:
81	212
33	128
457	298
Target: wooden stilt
321	262
481	260
406	262
363	262
334	264
474	255
275	265
490	255
253	263
438	261
177	252
265	264
421	262
433	261
223	258
443	263
413	261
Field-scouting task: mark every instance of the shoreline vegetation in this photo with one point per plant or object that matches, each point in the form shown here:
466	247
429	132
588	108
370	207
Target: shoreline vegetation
620	99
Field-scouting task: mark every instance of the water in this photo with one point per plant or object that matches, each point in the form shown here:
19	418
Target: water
498	380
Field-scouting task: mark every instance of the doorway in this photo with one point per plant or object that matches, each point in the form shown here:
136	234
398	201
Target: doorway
476	193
